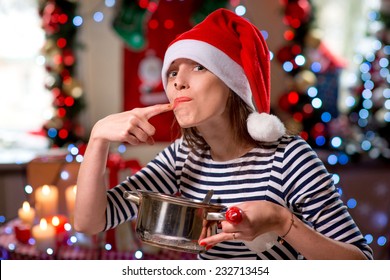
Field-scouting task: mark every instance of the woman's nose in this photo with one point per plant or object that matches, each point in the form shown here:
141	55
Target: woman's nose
180	84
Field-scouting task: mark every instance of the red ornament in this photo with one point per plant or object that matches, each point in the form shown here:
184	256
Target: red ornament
50	18
61	112
56	92
59	100
69	101
63	134
61	43
65	74
288	53
297	13
293	97
22	233
289	35
284	54
69	58
62	18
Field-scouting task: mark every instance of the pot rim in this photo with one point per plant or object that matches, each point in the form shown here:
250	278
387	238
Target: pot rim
180	200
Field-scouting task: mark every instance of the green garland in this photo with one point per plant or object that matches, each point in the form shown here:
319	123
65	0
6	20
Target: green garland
59	51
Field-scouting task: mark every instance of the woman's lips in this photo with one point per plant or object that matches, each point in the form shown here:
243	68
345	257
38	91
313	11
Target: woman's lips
179	100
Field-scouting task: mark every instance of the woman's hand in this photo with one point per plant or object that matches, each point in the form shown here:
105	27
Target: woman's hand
258	217
132	126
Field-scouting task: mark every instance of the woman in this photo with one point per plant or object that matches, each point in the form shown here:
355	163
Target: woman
216	77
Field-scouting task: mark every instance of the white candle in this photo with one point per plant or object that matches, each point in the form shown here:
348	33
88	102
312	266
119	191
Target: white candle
70	196
44	235
46	201
26	214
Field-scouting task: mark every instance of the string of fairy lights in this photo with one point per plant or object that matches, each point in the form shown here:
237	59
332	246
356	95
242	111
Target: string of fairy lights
314	102
365	128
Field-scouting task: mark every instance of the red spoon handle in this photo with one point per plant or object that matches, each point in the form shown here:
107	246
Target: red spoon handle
234	215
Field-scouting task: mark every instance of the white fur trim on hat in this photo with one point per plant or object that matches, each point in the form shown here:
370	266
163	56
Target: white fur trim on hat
216	61
265	127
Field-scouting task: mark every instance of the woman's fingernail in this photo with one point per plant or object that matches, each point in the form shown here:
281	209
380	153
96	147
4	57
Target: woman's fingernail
202	243
209	247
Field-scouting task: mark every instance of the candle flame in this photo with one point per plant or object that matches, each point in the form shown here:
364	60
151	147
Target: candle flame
75	189
55	221
43	224
46	190
26	206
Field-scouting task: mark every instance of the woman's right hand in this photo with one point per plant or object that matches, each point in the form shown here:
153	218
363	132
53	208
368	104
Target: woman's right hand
132	127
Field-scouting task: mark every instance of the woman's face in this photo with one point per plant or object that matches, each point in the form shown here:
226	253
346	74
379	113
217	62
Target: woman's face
198	96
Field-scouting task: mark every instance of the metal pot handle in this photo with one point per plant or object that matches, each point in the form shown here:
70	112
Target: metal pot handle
132	196
216	216
232	215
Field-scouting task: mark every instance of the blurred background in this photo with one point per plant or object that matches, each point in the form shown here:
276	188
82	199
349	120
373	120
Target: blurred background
66	64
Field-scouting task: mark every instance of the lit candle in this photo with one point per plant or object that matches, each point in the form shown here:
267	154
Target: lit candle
70	196
46	201
44	235
59	222
26	214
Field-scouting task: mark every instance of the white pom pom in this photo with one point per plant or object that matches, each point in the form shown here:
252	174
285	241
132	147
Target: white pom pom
265	127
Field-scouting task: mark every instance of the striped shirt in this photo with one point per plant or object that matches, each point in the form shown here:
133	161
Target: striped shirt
287	172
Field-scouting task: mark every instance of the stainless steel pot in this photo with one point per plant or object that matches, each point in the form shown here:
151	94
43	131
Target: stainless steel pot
174	222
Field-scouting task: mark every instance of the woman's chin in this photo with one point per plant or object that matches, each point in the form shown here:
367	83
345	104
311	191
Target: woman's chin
185	123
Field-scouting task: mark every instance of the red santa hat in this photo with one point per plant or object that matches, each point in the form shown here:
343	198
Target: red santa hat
234	50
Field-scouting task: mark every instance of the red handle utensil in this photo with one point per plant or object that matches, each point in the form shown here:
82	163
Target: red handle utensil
234	215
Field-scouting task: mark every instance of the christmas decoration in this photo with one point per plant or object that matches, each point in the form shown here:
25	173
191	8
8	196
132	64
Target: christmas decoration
60	60
130	22
313	72
364	131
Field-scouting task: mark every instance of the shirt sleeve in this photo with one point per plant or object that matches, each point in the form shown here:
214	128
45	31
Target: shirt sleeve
157	176
310	193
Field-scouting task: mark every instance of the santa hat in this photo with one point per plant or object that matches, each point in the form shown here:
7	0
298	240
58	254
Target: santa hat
234	50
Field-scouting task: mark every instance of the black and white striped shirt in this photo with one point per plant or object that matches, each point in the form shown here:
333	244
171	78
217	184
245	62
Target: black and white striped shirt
287	172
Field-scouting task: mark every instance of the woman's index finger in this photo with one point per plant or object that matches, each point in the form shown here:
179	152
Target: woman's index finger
154	110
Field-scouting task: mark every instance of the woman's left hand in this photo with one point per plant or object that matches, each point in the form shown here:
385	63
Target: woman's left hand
258	217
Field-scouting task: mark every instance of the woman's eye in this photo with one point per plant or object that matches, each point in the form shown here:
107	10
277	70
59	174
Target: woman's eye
199	67
172	74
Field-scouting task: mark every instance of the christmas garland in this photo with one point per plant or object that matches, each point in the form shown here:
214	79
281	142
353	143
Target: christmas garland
60	61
